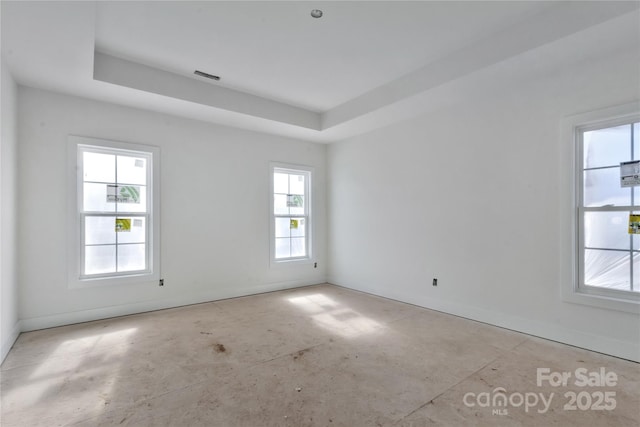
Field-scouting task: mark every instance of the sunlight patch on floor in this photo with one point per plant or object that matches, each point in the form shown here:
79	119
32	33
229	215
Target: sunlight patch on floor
100	355
335	316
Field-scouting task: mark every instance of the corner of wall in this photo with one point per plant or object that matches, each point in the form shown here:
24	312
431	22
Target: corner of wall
9	340
9	323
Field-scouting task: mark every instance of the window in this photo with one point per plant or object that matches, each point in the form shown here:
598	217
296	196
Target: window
290	213
608	255
116	203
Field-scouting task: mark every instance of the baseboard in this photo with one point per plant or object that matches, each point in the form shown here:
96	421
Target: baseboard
8	342
613	347
62	319
553	332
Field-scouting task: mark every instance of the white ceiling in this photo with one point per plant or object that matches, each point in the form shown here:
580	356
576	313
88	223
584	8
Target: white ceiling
278	51
282	71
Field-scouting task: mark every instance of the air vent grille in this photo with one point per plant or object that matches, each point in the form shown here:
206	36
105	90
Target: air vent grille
207	75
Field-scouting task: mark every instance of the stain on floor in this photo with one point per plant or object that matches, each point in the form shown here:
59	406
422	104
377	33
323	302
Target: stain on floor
301	353
219	348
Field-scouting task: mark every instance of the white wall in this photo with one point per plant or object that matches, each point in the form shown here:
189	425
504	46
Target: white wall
472	194
215	241
9	326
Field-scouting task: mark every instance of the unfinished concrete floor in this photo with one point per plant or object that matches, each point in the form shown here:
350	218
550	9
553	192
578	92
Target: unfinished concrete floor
315	356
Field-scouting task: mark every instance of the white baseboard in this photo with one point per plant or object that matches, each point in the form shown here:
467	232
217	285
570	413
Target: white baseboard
601	344
613	347
8	342
61	319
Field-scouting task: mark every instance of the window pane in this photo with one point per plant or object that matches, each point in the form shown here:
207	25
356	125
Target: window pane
607	230
297	226
132	170
134	233
281	183
296	184
607	147
283	248
636	272
99	167
280	204
602	187
100	259
636	141
607	269
636	196
131	257
298	247
283	227
99	230
289	201
296	204
115	210
95	198
131	198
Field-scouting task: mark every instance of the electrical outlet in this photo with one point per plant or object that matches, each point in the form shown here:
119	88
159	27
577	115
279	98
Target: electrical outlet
435	282
315	265
161	282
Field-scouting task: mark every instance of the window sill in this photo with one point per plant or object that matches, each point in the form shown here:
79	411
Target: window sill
133	279
601	301
291	262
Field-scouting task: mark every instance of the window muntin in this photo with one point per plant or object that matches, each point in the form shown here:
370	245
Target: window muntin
609	257
290	219
115	214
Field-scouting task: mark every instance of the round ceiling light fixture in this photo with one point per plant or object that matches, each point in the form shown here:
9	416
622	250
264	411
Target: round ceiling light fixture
316	13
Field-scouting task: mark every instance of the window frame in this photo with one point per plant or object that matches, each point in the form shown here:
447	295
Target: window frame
574	290
77	145
308	216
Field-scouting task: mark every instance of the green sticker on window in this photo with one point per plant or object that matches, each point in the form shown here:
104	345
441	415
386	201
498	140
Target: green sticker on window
123	224
634	224
123	193
294	224
294	201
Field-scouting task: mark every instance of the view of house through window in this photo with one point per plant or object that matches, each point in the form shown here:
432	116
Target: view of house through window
609	250
291	225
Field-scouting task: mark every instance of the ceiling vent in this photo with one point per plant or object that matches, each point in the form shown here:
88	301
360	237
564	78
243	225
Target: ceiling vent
207	75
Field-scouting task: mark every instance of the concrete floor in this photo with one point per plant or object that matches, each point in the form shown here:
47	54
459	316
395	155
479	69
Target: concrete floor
315	356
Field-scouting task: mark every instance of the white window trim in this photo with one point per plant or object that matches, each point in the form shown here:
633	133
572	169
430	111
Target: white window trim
309	191
571	161
74	250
